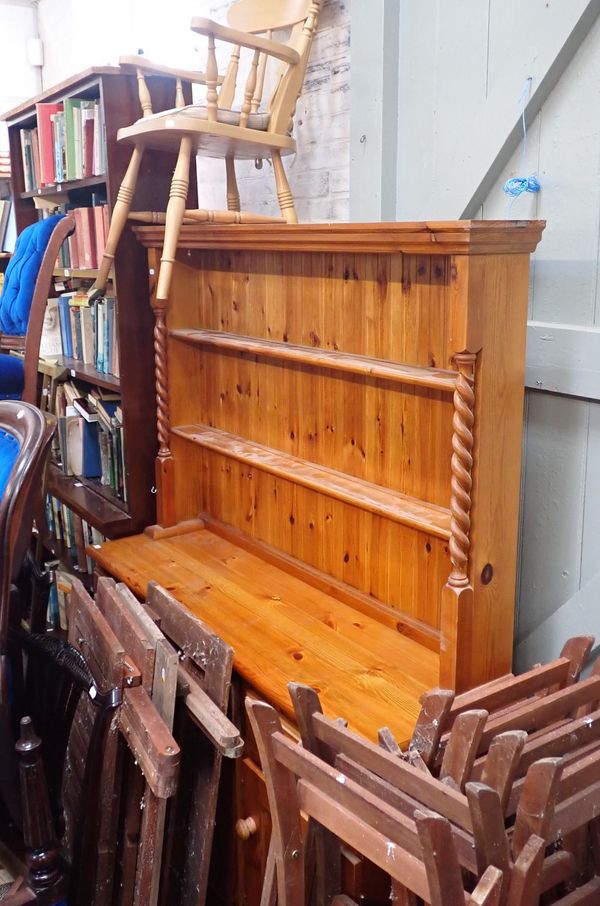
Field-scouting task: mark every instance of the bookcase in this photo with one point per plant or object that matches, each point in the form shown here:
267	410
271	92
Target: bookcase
117	97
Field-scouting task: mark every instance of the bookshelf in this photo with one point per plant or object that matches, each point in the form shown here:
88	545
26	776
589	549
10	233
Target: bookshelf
117	96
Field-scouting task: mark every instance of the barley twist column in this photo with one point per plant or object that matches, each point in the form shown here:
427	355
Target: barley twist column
162	386
462	466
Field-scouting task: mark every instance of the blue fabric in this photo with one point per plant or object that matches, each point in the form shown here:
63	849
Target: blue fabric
9	450
21	274
11	377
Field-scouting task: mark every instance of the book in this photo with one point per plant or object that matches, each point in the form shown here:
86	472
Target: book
44	112
65	324
35	147
51	342
77	340
85	409
87	334
70	104
4	215
84	228
99	233
87	137
77	141
90	450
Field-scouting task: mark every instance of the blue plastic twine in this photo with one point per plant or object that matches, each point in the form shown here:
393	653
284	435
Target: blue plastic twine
518	185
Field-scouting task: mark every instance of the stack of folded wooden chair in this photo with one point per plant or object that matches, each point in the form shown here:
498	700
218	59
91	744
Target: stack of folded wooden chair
495	801
138	773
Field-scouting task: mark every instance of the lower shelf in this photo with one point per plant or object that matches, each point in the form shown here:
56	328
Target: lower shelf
419	514
90	501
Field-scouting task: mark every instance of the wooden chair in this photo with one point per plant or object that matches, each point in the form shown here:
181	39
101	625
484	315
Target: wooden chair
214	129
440	708
421	851
23	300
85	725
205	736
201	677
545	786
24	444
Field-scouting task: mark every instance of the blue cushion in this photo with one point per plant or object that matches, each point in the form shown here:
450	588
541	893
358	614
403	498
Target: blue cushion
9	450
21	274
11	377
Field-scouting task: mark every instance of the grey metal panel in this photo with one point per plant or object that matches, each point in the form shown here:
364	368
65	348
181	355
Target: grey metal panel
590	549
552	513
563	358
374	128
578	616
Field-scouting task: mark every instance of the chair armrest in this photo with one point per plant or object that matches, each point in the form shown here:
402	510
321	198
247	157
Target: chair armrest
244	39
147	66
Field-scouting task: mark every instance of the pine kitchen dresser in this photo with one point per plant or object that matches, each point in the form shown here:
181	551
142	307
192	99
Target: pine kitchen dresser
339	417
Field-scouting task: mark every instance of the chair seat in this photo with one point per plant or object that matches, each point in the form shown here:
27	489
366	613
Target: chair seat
258	121
164	131
12	377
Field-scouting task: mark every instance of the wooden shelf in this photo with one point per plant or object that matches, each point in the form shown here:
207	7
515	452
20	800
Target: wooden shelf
424	517
79	370
91	501
279	628
418	376
63	188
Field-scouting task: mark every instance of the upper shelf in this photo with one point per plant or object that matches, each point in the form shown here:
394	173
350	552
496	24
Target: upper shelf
435	378
454	237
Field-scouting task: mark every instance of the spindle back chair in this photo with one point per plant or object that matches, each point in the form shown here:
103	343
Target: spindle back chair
256	131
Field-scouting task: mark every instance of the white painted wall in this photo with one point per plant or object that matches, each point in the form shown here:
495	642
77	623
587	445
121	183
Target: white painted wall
18	80
318	173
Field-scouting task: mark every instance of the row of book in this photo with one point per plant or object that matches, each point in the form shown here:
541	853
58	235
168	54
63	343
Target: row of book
74	535
68	143
72	532
89	440
86	333
85	247
4	165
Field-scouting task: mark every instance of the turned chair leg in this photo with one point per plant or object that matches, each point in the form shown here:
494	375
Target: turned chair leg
117	221
284	193
174	217
233	195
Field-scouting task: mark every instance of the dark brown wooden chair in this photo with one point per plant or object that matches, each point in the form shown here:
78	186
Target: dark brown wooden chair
24	444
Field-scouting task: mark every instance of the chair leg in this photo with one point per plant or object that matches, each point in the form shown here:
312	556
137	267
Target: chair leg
174	217
117	221
284	194
233	195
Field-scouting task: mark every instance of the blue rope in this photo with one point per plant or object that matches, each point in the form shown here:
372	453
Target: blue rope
519	184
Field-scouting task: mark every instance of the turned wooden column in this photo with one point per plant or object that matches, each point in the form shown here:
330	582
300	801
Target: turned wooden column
457	595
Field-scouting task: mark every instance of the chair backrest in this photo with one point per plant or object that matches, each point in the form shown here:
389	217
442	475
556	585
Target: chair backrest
26	289
264	17
24	442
